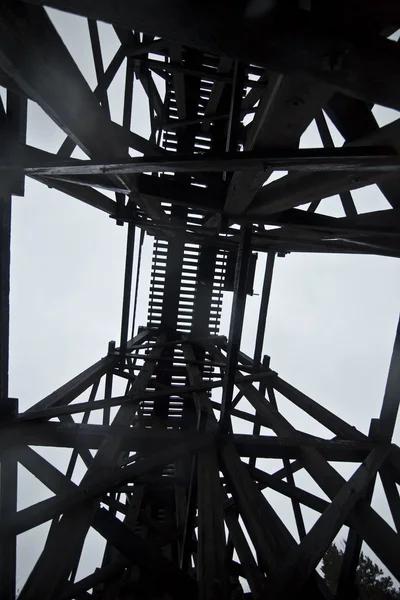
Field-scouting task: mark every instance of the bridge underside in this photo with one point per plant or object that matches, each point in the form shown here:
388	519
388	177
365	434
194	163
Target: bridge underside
173	484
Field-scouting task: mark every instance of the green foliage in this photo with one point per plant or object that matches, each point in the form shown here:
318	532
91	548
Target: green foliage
370	579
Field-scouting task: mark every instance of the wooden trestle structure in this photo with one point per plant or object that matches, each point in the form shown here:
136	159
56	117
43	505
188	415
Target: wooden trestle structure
183	515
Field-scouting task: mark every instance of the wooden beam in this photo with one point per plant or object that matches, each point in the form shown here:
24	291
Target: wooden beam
373	529
73	526
211	546
289	490
83	193
373	159
301	562
211	535
262	315
294	190
284	41
8	508
5	238
289	446
317	411
392	494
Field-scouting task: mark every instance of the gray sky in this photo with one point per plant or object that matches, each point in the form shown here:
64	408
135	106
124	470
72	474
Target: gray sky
330	330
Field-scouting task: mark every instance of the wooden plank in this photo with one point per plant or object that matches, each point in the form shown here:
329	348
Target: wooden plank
287	42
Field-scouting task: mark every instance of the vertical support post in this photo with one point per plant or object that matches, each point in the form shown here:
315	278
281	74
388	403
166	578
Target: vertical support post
236	324
8	473
130	245
8	543
5	239
262	318
126	121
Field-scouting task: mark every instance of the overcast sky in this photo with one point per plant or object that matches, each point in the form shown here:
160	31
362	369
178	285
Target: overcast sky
330	330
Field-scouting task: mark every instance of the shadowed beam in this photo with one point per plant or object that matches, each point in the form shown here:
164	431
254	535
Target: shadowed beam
285	41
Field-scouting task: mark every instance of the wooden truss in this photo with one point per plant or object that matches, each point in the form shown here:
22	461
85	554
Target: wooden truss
172	484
